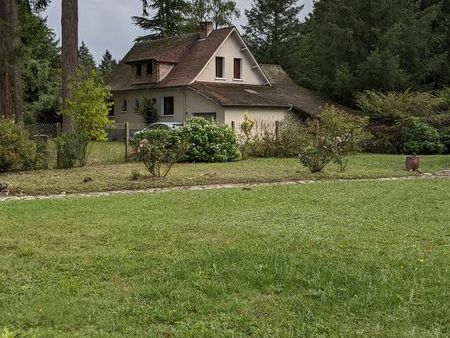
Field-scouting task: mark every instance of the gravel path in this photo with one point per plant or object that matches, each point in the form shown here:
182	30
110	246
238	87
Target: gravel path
443	174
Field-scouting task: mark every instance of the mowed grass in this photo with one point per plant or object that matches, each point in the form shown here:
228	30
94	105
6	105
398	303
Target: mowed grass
100	177
354	259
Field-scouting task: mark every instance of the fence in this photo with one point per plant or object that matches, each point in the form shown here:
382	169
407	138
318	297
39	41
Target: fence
117	133
48	129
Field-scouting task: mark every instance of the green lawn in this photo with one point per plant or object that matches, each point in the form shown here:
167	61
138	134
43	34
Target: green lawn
116	177
355	259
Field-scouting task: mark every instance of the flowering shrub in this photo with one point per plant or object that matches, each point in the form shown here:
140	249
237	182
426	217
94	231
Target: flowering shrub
160	150
17	152
208	141
332	137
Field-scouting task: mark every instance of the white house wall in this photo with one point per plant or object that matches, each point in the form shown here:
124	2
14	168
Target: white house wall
264	117
231	49
186	103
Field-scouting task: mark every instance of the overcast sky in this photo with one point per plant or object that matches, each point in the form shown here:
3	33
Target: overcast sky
106	24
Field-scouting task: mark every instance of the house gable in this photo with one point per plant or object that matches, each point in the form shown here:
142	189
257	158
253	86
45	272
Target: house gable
234	54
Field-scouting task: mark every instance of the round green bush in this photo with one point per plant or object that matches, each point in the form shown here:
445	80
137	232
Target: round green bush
417	137
17	151
209	141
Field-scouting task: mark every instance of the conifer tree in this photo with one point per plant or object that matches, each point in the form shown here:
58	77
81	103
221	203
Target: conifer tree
108	64
87	61
272	26
169	18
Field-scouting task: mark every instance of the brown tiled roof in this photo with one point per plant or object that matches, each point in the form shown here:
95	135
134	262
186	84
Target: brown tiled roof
283	93
189	53
170	50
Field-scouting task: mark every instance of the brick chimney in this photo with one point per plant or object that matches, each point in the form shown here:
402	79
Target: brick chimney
205	28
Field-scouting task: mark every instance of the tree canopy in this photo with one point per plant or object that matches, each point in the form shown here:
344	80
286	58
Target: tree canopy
347	46
272	28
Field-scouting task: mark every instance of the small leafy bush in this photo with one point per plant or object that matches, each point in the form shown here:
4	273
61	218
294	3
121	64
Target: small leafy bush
417	137
17	151
72	149
148	110
332	137
160	150
41	160
208	141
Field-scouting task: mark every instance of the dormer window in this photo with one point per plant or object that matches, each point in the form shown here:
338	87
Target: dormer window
149	69
220	65
138	70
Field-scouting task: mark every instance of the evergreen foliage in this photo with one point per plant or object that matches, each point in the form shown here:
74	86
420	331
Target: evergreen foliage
87	62
273	27
349	46
108	64
168	20
41	67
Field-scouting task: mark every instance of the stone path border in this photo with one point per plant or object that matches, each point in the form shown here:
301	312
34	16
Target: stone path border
216	187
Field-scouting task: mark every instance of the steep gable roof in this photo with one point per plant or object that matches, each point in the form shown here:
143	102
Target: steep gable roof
188	52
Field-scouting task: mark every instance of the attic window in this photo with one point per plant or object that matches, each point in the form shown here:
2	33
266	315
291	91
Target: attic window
237	69
220	67
124	105
149	68
138	70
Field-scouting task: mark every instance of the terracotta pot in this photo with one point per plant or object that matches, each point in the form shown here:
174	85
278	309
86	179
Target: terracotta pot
412	163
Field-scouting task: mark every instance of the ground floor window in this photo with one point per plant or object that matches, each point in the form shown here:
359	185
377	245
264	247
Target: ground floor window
208	116
168	107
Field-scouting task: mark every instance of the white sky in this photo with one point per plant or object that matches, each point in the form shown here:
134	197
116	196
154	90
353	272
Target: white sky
106	24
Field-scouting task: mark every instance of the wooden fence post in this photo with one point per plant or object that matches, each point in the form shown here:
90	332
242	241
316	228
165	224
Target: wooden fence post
127	140
277	130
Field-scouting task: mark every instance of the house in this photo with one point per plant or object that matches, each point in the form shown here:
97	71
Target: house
211	73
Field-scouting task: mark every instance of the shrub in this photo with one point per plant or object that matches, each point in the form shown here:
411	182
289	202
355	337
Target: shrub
208	141
148	110
418	137
42	154
332	137
160	150
389	114
17	152
72	149
393	107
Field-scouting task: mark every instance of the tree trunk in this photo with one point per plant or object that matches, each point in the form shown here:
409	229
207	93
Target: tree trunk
69	51
6	58
17	73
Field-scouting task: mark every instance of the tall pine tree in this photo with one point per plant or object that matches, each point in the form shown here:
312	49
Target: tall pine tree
87	62
272	26
169	19
108	64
